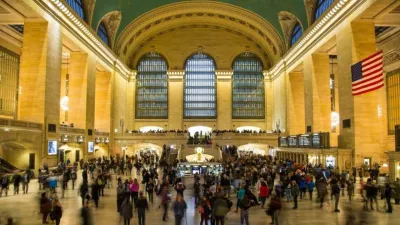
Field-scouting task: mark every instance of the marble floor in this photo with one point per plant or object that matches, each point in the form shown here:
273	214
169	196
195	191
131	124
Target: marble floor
25	211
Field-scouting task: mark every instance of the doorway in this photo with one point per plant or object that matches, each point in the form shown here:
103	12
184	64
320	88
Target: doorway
77	157
31	161
61	155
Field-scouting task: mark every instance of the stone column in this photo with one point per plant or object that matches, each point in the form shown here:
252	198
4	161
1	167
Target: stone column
366	112
39	79
103	101
296	124
269	101
82	86
131	103
317	92
224	99
175	99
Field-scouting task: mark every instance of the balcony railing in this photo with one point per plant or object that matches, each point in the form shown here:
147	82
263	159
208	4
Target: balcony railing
72	130
20	124
101	133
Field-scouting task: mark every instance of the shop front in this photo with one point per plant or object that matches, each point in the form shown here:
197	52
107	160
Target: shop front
189	169
394	165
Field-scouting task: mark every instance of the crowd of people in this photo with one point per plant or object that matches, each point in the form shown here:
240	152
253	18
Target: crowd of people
245	182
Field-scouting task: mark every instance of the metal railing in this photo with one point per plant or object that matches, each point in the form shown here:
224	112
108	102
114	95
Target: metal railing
20	124
72	130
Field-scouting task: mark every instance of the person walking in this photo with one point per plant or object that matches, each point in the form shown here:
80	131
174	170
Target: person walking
388	197
336	193
120	196
86	214
295	193
45	207
141	206
57	211
84	189
17	181
322	187
150	190
95	194
126	211
204	210
134	190
244	206
310	187
179	208
263	194
4	185
273	208
350	189
220	208
25	181
164	202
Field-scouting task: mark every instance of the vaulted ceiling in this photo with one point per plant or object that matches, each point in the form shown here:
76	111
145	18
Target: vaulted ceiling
132	9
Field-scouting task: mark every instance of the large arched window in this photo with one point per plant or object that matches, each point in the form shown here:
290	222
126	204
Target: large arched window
77	6
103	34
152	87
248	87
200	99
321	7
296	34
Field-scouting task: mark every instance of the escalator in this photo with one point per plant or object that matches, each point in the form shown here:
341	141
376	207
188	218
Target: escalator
7	168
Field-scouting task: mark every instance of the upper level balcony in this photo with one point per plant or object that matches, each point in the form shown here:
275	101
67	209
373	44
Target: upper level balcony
11	124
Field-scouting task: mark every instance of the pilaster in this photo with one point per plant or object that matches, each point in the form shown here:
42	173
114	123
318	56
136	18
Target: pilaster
175	99
296	117
224	99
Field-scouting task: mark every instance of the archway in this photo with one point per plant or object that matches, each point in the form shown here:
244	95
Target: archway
253	149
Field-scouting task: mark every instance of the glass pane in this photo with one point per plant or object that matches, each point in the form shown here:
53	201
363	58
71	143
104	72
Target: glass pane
322	6
152	87
102	32
200	91
77	6
9	75
248	87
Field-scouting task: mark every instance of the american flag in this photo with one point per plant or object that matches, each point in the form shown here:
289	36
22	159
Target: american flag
367	75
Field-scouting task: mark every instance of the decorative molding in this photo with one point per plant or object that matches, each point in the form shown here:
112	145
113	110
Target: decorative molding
112	20
224	74
391	57
175	75
287	21
72	23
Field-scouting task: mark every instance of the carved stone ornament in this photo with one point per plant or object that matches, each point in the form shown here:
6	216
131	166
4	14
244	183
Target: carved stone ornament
391	57
89	6
287	21
112	21
310	9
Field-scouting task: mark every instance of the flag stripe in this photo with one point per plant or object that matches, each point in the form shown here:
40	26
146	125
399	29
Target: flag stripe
372	56
367	75
368	90
368	78
371	65
366	84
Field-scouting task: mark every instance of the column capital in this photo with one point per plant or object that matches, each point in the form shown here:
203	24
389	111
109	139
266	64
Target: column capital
132	76
224	74
176	74
267	76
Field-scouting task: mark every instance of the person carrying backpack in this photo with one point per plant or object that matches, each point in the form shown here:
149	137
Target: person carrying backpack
204	210
25	181
274	206
220	209
244	206
4	185
73	178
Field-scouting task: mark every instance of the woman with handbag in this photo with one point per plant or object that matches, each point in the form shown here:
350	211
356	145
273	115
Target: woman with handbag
263	195
204	210
273	207
56	212
45	207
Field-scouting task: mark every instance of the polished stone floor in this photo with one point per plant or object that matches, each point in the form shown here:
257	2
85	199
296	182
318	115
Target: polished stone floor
24	209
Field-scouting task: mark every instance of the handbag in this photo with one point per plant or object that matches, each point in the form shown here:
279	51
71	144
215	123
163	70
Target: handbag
201	209
269	211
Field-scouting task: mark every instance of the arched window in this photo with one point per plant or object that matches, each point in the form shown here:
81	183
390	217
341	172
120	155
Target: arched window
152	87
296	34
200	99
321	7
77	6
103	34
248	87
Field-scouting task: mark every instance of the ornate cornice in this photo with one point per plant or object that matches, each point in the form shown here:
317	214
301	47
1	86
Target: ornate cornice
391	57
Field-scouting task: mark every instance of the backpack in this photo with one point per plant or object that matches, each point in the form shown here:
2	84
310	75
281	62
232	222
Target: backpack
222	209
100	182
4	181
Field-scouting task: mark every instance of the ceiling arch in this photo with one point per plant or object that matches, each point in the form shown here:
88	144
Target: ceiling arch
266	9
202	14
288	21
112	21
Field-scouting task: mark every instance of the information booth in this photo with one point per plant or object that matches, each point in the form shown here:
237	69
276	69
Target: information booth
188	169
